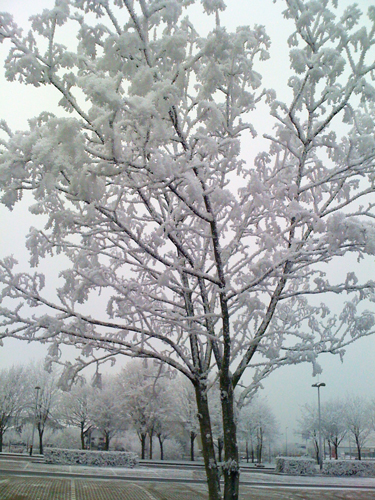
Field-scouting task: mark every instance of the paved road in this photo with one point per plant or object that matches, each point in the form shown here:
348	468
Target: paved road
26	480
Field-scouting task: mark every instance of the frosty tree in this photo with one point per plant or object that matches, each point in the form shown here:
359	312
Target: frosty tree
207	262
12	399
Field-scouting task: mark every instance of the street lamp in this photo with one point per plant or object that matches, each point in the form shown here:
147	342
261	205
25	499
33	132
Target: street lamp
318	386
37	388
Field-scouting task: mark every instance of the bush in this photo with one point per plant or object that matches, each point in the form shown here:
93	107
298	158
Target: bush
349	468
296	466
88	457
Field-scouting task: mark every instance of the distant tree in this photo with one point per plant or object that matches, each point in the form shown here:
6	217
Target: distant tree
12	398
334	425
358	421
257	424
372	413
164	425
105	410
206	261
143	389
186	411
75	408
46	410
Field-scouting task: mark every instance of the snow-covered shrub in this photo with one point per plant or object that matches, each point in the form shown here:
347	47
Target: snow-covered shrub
88	457
295	466
349	468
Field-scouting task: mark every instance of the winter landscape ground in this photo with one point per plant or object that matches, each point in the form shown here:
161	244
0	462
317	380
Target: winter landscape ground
39	488
26	480
61	489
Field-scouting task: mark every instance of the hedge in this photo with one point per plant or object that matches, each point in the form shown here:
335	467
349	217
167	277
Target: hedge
349	468
88	457
296	466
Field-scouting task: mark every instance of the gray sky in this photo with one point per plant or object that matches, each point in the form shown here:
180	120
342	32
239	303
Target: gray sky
287	388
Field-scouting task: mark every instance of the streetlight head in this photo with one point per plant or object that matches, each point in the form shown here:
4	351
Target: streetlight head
37	388
321	384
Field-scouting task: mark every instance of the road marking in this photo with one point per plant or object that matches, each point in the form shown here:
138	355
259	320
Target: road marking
147	493
73	490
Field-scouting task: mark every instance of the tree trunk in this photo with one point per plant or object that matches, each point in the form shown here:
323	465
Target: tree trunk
259	452
192	439
358	447
106	441
336	448
143	445
1	439
208	449
247	451
151	434
231	469
161	447
40	432
220	445
260	445
82	436
316	445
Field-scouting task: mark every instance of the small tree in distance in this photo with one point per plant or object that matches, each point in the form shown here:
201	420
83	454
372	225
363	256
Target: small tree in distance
257	425
75	409
105	410
146	402
333	421
207	263
186	412
45	409
358	421
334	425
12	398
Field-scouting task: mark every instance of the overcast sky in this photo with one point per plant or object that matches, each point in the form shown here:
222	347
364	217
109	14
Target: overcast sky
286	389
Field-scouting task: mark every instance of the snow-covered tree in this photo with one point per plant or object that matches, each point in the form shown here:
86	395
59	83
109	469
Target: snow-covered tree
256	425
333	424
309	426
358	421
75	408
206	261
147	401
105	410
186	411
46	411
12	398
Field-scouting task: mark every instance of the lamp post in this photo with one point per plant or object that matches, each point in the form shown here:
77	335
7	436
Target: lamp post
37	388
318	386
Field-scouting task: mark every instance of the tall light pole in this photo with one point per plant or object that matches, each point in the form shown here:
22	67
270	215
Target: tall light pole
37	388
318	386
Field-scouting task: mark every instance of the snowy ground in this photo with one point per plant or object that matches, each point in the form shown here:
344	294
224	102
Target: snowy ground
23	480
